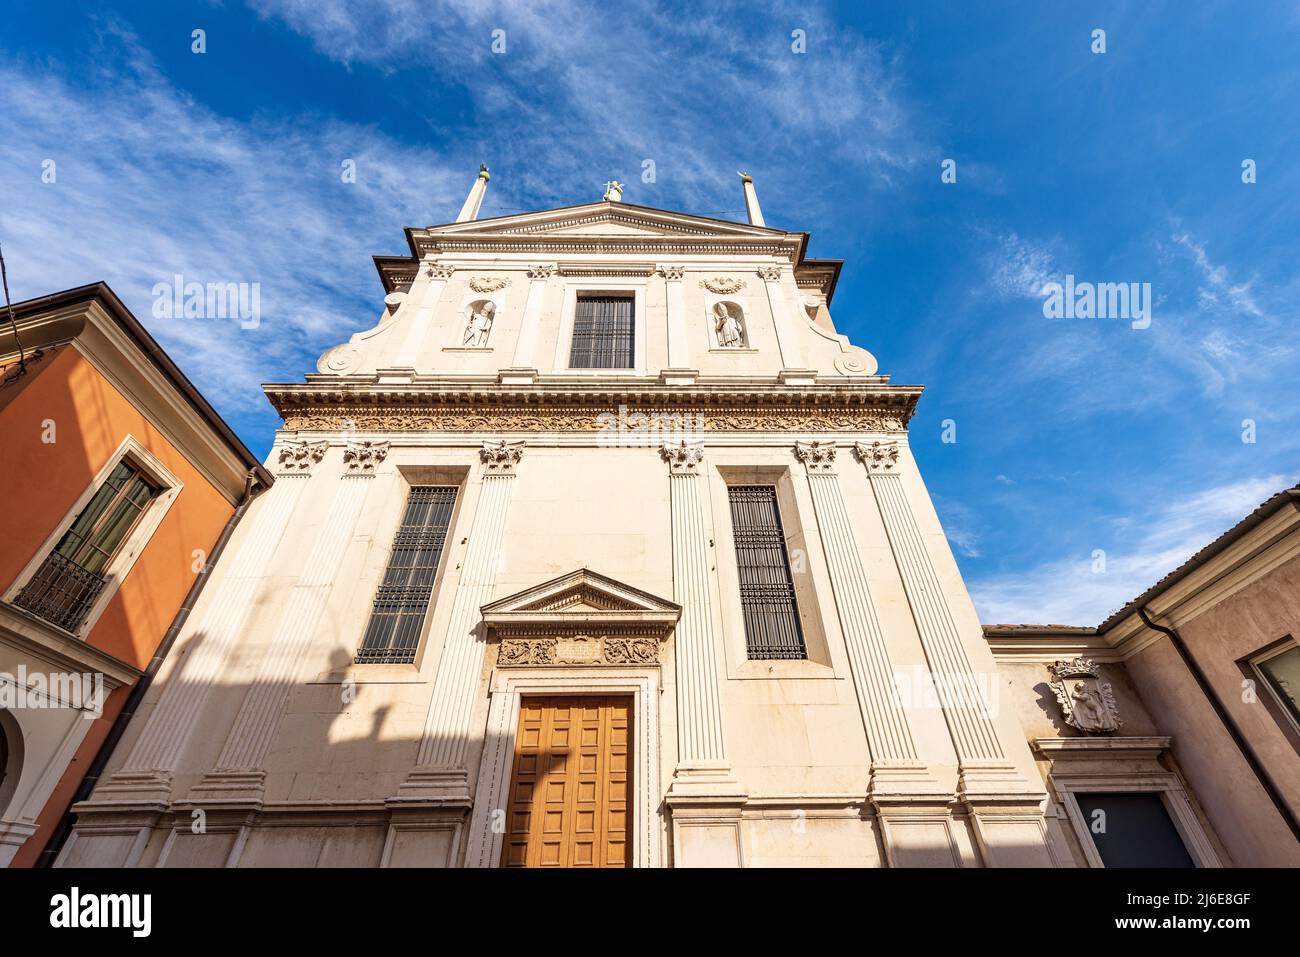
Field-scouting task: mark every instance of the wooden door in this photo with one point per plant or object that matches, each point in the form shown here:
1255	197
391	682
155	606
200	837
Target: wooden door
570	790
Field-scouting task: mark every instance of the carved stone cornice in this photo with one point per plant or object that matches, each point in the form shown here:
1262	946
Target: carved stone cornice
880	458
362	458
500	458
683	457
817	457
297	458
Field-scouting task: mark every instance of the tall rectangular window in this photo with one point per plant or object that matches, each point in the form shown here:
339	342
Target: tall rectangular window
1132	830
403	598
64	588
767	597
603	333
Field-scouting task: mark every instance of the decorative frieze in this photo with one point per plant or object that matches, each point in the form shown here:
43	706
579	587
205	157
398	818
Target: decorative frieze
362	458
579	650
296	458
339	419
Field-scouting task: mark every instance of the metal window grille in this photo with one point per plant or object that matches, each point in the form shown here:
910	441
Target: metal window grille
603	329
71	578
61	592
403	597
767	596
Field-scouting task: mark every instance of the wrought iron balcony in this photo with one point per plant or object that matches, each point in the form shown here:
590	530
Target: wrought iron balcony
61	592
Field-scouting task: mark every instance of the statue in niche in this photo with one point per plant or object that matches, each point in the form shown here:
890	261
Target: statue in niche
479	326
731	334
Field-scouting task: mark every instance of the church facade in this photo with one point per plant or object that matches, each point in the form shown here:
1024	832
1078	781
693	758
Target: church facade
601	548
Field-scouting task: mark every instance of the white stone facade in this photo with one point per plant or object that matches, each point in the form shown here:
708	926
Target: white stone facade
263	743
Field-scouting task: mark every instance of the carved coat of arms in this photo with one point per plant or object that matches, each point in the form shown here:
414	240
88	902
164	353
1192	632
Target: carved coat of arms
1087	702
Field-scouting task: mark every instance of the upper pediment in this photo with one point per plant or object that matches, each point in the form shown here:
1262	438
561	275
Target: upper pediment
582	600
606	219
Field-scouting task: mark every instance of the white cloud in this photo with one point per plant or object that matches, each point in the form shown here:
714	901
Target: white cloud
151	184
1219	291
1020	268
1139	551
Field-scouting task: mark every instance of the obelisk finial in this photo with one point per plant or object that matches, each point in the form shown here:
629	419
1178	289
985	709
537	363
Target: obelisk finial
475	198
751	200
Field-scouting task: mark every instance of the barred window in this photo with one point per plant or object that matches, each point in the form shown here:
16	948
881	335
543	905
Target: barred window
767	596
602	333
71	578
403	598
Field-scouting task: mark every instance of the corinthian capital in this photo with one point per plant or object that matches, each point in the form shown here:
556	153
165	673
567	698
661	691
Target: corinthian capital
817	457
362	458
673	273
297	458
439	271
541	272
880	458
500	458
683	457
770	273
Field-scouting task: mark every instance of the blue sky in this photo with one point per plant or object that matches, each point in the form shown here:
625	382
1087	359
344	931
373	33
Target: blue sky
1072	435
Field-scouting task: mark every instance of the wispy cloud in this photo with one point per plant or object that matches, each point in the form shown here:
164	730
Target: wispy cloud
1138	551
1019	268
150	184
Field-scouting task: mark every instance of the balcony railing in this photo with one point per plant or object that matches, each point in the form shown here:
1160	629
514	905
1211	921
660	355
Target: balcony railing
61	592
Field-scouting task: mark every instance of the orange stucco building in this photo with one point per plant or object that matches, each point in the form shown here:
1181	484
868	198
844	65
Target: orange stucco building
121	484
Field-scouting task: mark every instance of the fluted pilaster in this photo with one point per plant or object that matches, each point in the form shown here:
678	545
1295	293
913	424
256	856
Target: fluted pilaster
699	711
889	735
169	726
441	772
964	707
259	717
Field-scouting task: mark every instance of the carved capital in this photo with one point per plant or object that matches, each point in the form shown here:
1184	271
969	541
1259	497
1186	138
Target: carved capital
297	458
541	272
362	458
817	457
500	458
672	273
683	457
769	273
880	458
439	270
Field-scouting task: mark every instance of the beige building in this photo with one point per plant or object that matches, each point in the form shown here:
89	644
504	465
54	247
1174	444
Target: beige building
603	547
